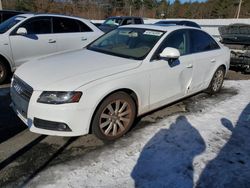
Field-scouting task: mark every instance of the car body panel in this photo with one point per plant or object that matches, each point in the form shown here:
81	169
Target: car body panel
72	69
154	82
18	49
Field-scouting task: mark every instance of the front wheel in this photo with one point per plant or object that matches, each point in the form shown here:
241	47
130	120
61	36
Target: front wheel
114	117
217	81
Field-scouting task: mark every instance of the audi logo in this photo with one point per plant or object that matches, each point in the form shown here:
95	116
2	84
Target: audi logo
18	88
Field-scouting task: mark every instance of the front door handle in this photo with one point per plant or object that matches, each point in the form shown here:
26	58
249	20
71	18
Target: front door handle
213	60
52	41
190	66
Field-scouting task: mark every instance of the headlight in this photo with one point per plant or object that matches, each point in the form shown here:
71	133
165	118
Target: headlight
59	97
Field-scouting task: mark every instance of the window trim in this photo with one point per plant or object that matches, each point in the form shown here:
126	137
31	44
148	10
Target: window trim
13	33
188	30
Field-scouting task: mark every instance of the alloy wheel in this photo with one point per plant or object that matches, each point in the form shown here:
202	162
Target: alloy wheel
218	80
115	118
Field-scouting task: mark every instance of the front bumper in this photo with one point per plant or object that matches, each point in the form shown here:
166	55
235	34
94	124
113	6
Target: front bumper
76	118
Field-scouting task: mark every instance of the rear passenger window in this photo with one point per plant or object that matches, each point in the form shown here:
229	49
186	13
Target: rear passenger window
127	21
39	25
83	27
65	25
138	21
201	42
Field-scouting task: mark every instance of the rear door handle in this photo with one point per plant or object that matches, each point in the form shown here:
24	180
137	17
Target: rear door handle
52	41
190	66
84	38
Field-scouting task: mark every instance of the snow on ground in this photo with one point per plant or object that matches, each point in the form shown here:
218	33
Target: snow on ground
210	148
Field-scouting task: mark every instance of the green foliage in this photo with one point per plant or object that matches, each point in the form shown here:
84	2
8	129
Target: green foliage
24	5
99	9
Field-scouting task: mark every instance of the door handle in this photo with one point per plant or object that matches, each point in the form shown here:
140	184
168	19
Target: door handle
190	66
52	41
84	38
213	60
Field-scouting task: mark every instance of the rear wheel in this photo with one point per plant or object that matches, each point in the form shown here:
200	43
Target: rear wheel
217	81
3	72
114	117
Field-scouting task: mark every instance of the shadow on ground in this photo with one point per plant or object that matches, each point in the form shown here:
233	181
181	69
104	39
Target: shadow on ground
10	124
231	167
166	160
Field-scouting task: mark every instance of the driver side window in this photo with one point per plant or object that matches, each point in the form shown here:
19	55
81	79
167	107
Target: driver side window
177	39
40	25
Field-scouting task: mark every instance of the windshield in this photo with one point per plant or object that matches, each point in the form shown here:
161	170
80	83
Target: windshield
6	25
113	21
132	43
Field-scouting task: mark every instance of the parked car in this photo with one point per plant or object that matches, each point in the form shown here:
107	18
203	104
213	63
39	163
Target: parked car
28	36
178	22
113	22
125	73
237	38
6	14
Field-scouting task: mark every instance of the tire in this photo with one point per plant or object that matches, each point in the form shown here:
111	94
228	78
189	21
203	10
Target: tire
3	72
114	117
217	81
247	70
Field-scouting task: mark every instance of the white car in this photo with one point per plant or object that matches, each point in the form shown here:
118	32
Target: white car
28	36
123	74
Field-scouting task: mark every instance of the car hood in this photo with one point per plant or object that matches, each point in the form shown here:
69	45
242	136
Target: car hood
71	70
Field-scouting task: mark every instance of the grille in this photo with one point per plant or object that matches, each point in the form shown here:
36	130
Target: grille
21	88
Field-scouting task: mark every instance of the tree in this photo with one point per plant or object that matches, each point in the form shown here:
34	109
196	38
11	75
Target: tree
176	8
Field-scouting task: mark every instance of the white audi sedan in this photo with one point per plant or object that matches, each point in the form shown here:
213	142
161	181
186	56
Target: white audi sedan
123	74
29	36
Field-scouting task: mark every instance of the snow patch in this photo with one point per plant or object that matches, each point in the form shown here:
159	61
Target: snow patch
208	148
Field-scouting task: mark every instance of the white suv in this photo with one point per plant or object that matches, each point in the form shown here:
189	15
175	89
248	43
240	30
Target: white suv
28	36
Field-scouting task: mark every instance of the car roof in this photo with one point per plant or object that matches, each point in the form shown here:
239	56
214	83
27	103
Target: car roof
124	17
45	14
158	27
178	22
11	11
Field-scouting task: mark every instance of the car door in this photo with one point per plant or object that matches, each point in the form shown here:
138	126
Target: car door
170	79
71	34
38	41
205	52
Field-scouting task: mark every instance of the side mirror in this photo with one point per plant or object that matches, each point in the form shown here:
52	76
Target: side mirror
170	53
21	31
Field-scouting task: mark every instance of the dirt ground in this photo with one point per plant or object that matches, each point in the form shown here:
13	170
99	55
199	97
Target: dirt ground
232	75
23	155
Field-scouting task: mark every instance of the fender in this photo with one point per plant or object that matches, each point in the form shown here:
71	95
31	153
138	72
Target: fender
9	61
